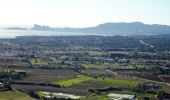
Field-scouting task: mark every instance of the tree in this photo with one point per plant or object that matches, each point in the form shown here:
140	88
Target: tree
62	62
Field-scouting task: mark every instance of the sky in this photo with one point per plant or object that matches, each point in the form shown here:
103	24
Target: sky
83	13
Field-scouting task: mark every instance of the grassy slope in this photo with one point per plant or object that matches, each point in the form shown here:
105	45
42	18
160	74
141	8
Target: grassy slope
14	95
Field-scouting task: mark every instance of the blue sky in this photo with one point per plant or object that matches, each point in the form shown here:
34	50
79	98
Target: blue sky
83	13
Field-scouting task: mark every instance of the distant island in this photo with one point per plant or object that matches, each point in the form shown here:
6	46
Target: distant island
40	27
16	28
122	28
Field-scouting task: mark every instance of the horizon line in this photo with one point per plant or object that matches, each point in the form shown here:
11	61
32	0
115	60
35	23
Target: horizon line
3	26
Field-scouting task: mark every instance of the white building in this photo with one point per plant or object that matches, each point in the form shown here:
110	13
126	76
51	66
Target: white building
115	96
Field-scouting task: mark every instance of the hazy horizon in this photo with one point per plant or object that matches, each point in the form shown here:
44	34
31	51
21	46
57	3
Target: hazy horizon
54	26
82	13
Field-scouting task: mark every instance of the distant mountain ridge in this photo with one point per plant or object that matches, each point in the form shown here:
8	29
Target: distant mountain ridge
122	28
134	28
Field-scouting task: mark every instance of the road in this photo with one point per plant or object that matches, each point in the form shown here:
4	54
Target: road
142	42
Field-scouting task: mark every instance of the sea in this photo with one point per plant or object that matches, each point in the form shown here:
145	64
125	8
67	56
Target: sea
6	33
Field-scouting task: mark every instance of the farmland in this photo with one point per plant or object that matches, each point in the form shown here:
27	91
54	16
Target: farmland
86	66
46	75
72	81
118	82
14	95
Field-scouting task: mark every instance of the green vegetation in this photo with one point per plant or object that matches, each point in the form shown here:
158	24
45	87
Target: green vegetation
117	82
97	72
37	62
82	79
41	94
110	65
89	66
14	95
97	53
98	97
103	65
72	81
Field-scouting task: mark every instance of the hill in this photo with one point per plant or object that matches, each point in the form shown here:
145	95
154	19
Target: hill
133	28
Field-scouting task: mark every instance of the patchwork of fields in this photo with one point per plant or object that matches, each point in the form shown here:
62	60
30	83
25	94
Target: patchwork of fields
87	66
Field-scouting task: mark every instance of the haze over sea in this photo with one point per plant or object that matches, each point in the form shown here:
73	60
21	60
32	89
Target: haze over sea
14	33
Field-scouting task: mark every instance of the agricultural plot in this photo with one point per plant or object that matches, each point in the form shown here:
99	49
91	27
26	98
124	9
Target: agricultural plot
98	97
34	62
117	82
92	84
51	89
72	81
110	65
36	78
150	77
165	78
45	75
97	72
87	82
14	95
97	53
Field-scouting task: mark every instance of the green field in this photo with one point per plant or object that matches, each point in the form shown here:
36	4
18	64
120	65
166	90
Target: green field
98	72
104	65
97	53
110	65
82	79
117	82
72	81
14	95
38	62
97	97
